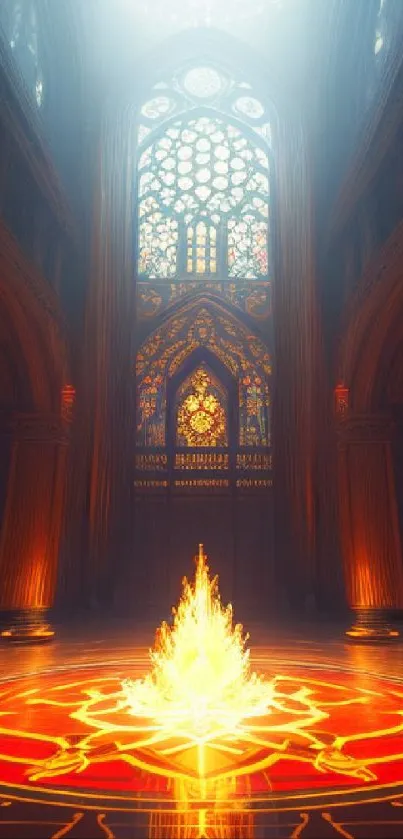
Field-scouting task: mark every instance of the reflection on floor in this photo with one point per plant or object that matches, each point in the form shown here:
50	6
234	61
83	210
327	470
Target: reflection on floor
326	761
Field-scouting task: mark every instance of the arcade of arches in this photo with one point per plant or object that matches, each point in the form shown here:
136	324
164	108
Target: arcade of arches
201	314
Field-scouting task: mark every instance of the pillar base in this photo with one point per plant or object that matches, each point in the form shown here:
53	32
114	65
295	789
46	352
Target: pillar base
25	626
372	626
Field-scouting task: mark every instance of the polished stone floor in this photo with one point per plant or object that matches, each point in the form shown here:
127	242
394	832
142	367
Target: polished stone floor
332	764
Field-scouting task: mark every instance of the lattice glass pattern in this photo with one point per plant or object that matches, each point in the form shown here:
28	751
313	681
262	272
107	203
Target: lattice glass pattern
203	171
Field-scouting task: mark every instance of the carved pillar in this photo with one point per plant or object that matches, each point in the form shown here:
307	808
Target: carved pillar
33	513
107	357
369	523
298	355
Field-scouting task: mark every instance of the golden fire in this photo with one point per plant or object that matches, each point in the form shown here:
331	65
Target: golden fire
201	677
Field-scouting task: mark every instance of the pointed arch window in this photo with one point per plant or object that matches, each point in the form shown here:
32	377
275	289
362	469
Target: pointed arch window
19	21
202	176
203	181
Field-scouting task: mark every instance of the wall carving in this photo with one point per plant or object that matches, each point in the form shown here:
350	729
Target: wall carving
366	428
255	300
39	428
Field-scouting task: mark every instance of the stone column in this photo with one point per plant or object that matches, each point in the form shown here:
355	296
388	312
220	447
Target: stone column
298	359
370	534
29	542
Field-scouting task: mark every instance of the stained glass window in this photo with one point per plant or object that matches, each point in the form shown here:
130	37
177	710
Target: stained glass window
151	412
388	31
156	107
201	249
203	82
244	356
203	171
201	416
249	106
158	242
203	186
20	24
247	247
208	86
379	39
386	44
253	411
197	326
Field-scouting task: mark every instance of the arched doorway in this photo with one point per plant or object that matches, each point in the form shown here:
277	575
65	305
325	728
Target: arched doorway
369	431
33	371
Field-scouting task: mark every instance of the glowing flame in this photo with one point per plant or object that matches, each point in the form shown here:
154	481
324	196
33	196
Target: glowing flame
201	675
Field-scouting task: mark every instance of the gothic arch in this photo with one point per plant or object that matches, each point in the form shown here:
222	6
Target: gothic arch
32	434
189	327
34	319
202	334
190	48
254	316
373	328
32	312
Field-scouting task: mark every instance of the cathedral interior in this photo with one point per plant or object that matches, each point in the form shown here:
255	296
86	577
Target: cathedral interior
201	404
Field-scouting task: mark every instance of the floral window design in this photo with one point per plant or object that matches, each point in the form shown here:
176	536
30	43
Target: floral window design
244	356
203	85
201	415
203	171
247	247
19	20
253	412
151	412
158	246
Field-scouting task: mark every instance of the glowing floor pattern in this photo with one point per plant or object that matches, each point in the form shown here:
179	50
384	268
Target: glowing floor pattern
326	761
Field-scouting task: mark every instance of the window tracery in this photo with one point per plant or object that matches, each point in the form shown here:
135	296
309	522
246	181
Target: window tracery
205	85
253	408
201	176
20	23
203	159
201	249
244	356
151	412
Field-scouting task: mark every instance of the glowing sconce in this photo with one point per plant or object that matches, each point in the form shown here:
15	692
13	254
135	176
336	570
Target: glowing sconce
68	399
341	395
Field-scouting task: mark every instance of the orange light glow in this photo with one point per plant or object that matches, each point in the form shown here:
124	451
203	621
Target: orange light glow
370	634
68	399
341	399
22	633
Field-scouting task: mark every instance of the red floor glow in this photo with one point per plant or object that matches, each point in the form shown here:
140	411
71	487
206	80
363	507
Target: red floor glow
326	760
